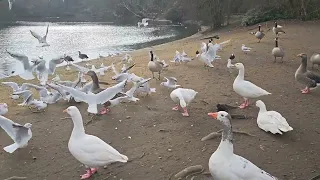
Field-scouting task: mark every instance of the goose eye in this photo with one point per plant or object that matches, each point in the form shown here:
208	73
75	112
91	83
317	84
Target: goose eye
222	115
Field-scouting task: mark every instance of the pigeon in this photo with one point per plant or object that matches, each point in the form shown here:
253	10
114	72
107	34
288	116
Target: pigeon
18	133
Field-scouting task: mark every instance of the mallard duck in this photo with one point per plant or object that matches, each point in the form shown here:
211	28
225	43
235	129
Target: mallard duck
154	65
305	77
315	59
277	51
271	121
225	165
259	35
277	29
246	89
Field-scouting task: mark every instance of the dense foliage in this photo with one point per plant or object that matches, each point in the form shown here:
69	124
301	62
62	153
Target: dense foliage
210	12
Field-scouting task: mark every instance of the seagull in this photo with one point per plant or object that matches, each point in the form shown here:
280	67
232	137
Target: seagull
18	133
29	101
28	68
43	72
245	49
56	78
42	40
94	99
127	59
171	83
16	88
3	109
119	77
145	88
208	54
10	2
82	56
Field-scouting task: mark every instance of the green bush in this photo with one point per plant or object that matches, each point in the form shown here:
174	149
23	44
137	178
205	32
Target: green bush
262	14
175	15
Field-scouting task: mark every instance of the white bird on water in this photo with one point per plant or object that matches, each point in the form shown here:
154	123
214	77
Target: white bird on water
18	133
42	40
88	149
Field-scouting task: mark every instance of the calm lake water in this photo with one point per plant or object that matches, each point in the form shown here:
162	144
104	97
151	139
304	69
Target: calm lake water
89	38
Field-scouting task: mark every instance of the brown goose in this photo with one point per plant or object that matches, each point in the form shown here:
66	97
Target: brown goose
154	65
305	77
315	59
259	34
277	29
277	51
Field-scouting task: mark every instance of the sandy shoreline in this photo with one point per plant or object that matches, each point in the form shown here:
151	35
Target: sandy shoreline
162	142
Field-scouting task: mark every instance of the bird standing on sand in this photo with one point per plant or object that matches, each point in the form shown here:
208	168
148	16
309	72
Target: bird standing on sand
68	59
277	51
82	56
154	65
246	89
305	77
88	149
277	29
259	34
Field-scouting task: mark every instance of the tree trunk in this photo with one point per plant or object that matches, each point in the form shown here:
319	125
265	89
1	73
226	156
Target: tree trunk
228	11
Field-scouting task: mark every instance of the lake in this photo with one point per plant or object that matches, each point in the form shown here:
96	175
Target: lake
89	38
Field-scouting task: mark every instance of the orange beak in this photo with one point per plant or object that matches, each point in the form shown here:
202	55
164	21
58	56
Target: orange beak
299	55
213	115
66	110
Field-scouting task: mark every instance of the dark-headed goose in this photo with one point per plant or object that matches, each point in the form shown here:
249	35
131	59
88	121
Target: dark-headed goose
305	77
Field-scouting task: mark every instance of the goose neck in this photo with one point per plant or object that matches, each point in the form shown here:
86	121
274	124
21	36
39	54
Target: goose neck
78	128
241	74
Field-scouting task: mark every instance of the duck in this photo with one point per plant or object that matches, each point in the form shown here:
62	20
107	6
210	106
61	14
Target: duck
305	77
315	59
271	121
224	164
68	59
82	56
259	34
277	29
90	150
246	89
277	51
3	109
184	97
154	66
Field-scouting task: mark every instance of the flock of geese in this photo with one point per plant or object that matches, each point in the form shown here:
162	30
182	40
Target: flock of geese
94	152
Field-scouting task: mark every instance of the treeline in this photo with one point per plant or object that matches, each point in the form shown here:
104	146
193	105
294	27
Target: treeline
210	12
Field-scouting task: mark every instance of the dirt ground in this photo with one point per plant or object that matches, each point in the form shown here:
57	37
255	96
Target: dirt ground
162	141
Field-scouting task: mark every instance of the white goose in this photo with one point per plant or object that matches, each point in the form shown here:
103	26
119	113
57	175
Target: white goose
225	165
246	89
88	149
183	97
271	121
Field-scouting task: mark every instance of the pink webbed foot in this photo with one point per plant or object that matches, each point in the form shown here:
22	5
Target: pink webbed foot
176	108
305	91
244	104
185	112
89	173
104	111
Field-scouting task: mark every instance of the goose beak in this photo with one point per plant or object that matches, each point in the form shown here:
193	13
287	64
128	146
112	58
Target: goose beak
213	115
65	111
